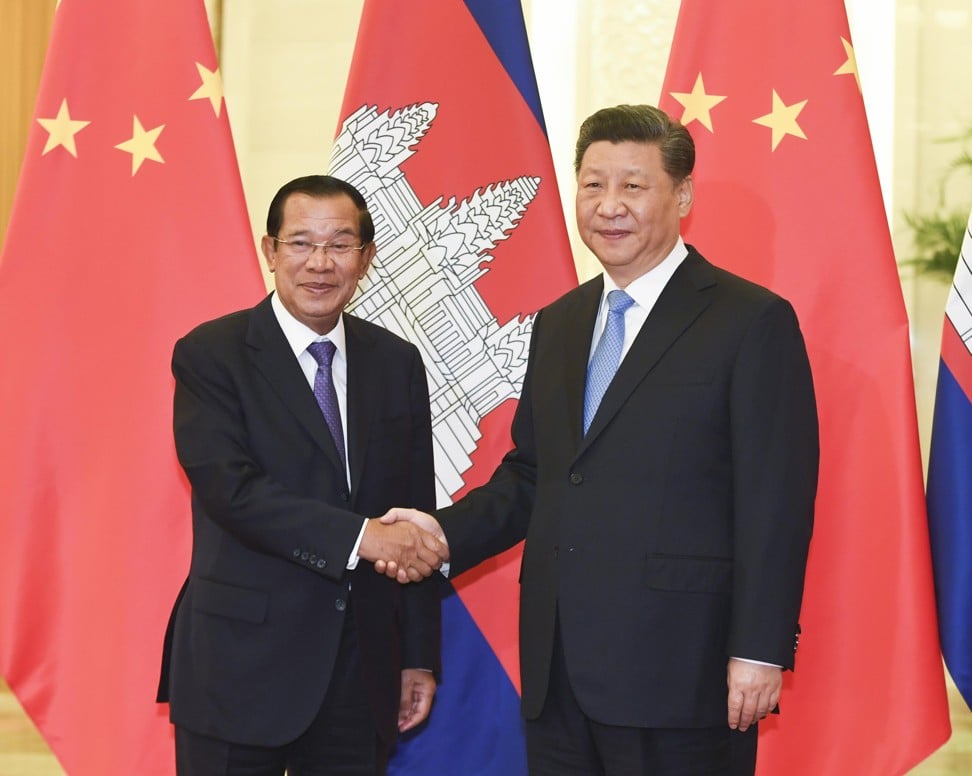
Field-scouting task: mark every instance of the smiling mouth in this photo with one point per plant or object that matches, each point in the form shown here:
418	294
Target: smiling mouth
316	288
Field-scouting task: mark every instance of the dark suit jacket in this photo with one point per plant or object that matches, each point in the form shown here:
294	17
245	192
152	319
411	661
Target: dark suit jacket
675	534
253	637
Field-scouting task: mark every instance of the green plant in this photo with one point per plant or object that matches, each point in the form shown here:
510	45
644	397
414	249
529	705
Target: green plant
937	236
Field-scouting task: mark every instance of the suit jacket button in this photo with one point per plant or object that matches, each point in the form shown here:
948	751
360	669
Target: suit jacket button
321	563
296	553
340	605
305	555
313	559
576	479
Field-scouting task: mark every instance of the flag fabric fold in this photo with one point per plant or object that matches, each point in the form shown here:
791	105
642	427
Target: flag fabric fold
128	228
787	195
441	129
949	480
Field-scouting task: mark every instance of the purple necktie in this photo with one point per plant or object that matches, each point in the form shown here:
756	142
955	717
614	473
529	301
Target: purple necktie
323	353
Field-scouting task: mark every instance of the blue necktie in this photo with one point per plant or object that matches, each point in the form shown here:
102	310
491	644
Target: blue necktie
323	353
607	355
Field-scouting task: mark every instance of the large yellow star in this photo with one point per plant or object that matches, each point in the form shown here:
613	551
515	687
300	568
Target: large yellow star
782	120
850	66
61	130
211	89
698	104
141	145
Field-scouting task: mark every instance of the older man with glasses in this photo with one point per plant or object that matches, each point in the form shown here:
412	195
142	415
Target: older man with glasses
297	425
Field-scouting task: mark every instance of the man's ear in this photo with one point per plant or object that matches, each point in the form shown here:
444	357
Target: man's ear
267	245
686	195
367	256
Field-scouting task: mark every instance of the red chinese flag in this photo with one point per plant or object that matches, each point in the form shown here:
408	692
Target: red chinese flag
129	227
787	194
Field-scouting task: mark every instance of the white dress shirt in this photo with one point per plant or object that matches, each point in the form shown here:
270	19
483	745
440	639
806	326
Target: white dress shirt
645	291
299	336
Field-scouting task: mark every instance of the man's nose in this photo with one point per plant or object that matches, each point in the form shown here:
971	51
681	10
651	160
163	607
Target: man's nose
319	258
611	203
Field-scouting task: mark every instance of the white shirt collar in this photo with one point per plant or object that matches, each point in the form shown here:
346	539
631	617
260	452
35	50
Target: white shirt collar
299	335
646	289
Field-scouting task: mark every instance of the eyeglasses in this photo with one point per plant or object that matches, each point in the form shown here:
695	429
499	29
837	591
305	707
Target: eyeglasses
302	249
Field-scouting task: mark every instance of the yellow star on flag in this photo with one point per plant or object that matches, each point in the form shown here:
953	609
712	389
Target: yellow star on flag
211	89
141	145
698	104
782	120
850	66
61	130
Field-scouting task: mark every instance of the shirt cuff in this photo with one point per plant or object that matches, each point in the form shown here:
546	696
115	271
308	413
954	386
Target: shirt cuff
353	559
755	662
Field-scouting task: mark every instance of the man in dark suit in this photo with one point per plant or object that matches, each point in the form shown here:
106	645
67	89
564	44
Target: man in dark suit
295	423
667	524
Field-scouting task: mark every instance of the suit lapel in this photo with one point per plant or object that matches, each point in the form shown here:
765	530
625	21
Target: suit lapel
273	358
679	305
578	330
365	370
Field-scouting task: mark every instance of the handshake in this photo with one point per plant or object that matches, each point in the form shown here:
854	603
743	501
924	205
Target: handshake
404	544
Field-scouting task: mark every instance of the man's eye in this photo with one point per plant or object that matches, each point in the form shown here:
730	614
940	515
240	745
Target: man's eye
299	244
340	247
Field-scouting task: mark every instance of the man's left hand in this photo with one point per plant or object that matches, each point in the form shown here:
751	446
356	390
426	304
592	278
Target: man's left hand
754	691
418	688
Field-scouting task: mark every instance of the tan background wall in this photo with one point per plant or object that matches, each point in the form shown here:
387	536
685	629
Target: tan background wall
934	101
24	27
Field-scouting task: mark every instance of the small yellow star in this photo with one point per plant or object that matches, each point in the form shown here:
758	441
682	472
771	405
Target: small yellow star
782	120
211	89
698	104
61	130
850	66
141	145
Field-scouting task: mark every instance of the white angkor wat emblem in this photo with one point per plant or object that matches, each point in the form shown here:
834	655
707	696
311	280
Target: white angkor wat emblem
421	283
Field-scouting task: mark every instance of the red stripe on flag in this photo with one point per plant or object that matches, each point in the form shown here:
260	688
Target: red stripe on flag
428	60
955	354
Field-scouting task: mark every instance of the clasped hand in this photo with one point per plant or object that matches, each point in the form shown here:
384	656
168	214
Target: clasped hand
404	544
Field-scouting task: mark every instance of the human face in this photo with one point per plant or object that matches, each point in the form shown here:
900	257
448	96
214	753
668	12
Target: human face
316	288
629	209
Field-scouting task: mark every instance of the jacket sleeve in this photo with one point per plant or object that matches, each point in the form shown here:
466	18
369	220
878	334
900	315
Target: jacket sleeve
216	449
495	516
775	452
422	628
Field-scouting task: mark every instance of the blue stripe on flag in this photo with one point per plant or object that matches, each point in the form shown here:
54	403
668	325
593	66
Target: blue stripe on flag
950	525
475	725
502	24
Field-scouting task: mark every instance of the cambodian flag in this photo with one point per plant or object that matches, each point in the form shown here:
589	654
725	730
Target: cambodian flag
950	478
442	131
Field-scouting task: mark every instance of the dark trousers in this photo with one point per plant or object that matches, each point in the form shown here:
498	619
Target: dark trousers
341	740
563	741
